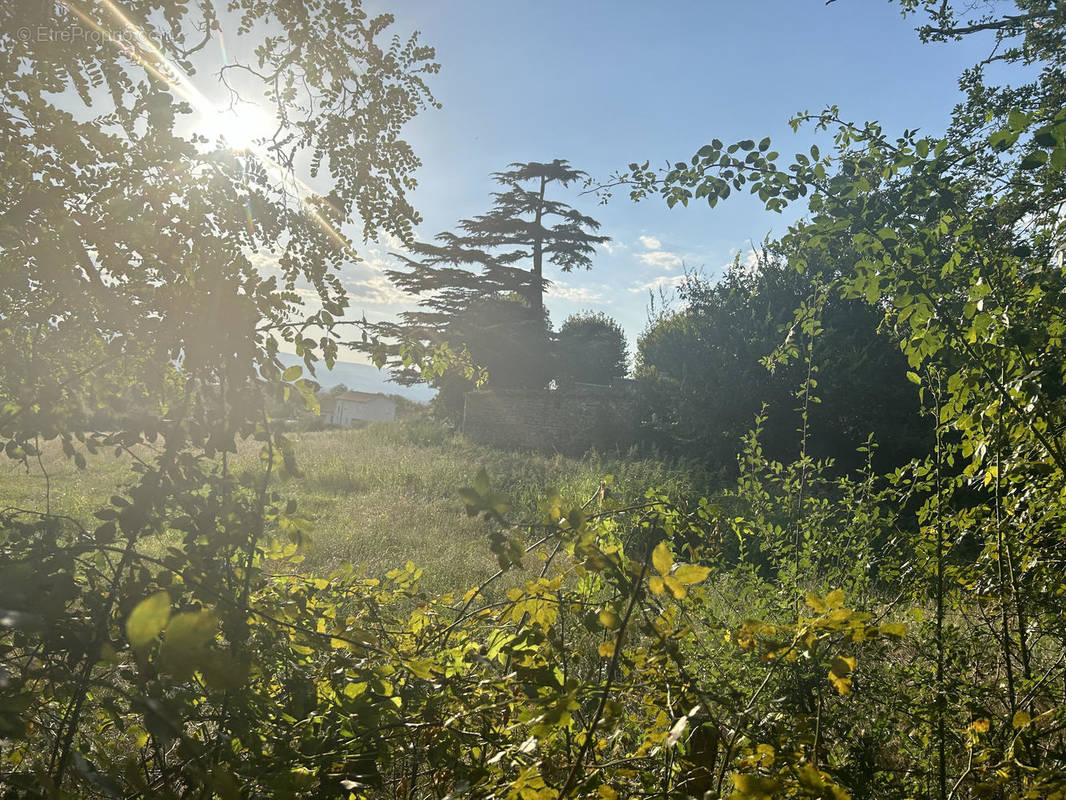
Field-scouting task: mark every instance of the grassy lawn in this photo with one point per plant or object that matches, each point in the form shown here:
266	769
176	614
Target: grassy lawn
378	496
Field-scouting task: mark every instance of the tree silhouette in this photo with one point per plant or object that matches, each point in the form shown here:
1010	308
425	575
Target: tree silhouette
591	349
499	255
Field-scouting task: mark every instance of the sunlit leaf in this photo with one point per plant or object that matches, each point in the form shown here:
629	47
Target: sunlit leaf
691	574
661	559
148	619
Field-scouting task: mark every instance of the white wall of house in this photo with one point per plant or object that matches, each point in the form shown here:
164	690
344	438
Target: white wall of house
347	411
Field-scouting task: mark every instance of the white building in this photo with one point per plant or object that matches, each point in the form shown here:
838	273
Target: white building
352	406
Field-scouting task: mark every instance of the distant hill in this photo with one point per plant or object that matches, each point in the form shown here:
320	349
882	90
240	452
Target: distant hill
362	378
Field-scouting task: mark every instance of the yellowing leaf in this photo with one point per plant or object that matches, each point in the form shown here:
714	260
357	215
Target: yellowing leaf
897	629
353	690
138	735
148	619
606	649
421	668
842	665
1021	719
690	574
677	589
816	603
661	559
766	754
756	787
835	599
656	585
609	619
839	671
842	685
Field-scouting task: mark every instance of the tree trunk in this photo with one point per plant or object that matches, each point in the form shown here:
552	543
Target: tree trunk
537	290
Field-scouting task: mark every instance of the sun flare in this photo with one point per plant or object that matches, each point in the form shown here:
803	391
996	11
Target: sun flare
243	126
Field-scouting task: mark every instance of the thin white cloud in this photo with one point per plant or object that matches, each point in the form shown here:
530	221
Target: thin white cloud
750	261
662	259
574	294
376	290
265	261
655	256
662	282
390	240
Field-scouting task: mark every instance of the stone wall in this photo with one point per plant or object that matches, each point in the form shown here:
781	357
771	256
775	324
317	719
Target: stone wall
571	420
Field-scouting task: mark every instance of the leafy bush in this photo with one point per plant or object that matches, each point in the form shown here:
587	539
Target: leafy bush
590	348
707	368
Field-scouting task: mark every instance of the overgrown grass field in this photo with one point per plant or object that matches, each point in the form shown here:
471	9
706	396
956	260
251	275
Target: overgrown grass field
378	496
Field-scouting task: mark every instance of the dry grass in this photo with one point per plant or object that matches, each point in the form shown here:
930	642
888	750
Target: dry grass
378	496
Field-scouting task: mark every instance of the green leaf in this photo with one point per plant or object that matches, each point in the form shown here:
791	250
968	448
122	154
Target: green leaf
914	378
471	498
148	619
1034	160
224	784
576	519
1018	120
481	482
185	645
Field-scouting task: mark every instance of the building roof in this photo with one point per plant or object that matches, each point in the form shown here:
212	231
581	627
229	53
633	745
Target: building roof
363	397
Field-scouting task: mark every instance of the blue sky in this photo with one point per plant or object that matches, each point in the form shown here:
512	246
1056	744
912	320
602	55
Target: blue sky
603	84
606	83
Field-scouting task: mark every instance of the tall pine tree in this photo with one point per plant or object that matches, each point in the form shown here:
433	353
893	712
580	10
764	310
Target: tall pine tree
495	260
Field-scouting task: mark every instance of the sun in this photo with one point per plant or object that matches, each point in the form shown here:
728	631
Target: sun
242	126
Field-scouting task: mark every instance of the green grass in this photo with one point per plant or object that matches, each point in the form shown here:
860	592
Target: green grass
378	496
